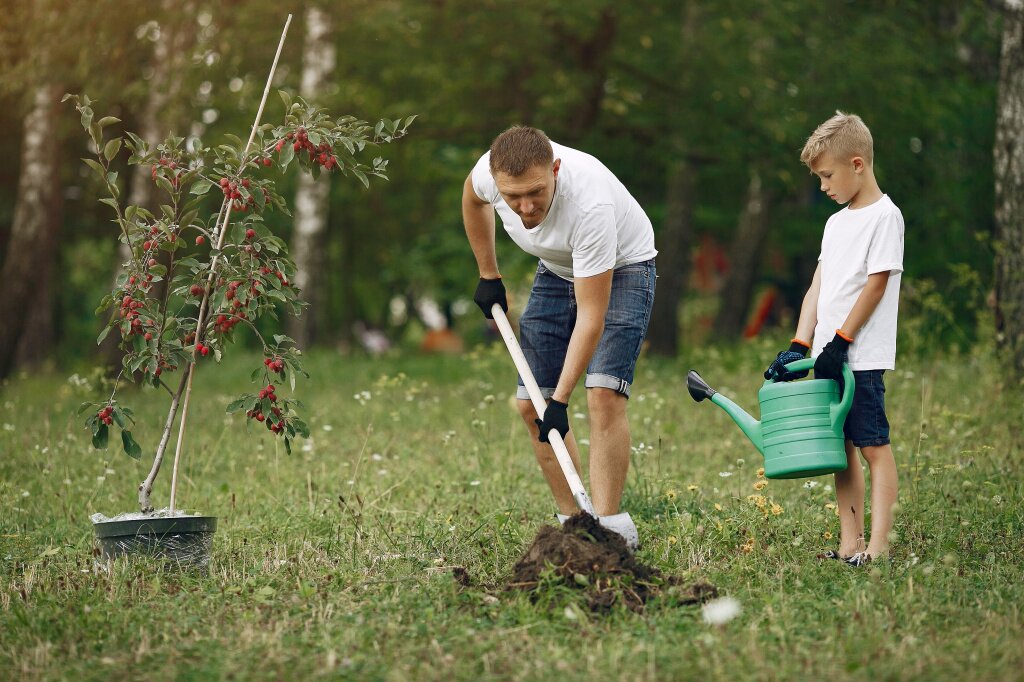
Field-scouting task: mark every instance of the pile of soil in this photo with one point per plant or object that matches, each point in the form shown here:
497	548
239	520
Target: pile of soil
584	554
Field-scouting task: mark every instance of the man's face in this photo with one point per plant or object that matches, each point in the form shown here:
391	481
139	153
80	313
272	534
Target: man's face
531	193
840	180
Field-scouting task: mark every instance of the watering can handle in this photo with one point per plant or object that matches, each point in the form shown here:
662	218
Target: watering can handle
839	411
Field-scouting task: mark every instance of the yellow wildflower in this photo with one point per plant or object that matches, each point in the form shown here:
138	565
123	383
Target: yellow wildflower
748	546
758	500
672	539
760	485
718	506
829	506
760	472
693	488
670	494
776	509
827	535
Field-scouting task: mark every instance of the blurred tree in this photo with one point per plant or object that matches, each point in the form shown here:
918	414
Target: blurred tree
1009	195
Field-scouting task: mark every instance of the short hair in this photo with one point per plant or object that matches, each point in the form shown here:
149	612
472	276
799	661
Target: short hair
519	149
844	135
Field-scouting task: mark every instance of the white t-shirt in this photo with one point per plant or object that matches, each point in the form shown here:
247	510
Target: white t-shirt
857	243
594	224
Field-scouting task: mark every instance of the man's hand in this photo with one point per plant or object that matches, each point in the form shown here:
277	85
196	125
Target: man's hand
489	292
829	364
555	417
777	370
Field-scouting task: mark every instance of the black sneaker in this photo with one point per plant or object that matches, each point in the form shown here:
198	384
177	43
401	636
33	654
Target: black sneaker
859	560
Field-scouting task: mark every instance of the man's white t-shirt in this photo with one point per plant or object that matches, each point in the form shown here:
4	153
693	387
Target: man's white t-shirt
594	223
857	243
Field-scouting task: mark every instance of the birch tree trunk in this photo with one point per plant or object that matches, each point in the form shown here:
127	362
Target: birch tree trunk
674	242
744	258
1008	157
31	247
311	196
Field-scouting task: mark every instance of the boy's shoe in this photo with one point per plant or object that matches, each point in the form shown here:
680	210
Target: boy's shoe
859	560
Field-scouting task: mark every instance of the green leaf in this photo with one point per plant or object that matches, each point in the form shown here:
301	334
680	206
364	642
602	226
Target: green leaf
235	405
164	184
131	447
108	120
287	155
112	148
201	187
95	165
103	335
99	439
86	117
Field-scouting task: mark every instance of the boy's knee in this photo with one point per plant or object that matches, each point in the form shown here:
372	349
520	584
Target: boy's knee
877	453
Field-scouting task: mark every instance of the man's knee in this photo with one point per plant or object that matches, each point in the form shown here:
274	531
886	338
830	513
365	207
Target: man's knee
526	411
605	403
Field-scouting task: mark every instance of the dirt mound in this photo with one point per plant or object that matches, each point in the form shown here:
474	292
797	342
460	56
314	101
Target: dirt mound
584	554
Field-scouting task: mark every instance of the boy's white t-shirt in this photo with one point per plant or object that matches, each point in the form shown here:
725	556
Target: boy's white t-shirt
857	243
594	223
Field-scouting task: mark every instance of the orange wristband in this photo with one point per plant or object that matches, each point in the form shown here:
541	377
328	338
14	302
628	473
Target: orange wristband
801	342
844	336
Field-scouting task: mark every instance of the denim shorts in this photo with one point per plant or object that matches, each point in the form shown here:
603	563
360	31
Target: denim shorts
866	424
550	317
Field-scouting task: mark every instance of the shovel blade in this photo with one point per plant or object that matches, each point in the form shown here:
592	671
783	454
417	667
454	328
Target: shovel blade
620	524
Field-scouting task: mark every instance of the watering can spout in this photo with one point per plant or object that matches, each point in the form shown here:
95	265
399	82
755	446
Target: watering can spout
699	390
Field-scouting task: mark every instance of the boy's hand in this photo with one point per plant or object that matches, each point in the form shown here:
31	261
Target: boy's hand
777	370
489	292
829	364
555	417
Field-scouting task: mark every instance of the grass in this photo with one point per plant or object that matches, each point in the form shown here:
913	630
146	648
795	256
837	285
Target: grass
336	561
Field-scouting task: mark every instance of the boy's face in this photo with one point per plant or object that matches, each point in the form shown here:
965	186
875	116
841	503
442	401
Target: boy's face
840	180
531	193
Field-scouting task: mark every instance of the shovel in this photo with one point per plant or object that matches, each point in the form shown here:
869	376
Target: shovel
620	523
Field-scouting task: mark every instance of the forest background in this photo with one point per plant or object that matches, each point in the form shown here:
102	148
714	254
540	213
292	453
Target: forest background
700	108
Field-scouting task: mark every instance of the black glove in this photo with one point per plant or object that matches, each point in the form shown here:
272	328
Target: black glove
829	364
555	417
489	292
777	370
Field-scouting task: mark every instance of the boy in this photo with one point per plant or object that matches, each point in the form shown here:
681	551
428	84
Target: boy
851	309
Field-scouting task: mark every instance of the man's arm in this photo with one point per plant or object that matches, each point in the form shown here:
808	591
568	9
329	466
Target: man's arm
592	296
809	309
478	218
866	303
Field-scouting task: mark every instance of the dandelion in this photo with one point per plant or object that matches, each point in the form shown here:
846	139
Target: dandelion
670	494
776	509
720	611
693	488
760	485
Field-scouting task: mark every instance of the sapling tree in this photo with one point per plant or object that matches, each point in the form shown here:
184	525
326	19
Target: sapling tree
201	270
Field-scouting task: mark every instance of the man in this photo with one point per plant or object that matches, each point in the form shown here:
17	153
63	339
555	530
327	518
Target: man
591	298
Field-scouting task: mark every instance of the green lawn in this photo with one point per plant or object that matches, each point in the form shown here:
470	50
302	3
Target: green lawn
336	561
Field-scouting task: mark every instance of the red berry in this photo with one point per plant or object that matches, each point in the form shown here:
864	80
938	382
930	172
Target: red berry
267	162
224	182
148	336
196	290
145	245
250	233
200	240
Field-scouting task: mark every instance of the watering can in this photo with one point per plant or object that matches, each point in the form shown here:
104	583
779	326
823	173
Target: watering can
801	429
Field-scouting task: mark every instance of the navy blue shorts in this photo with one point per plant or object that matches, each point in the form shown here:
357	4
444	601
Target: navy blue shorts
550	316
866	424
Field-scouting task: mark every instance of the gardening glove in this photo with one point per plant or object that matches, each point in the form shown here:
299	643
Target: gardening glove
555	417
777	370
829	364
489	292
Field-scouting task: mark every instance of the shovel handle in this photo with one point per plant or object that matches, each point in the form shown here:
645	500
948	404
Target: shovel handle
579	493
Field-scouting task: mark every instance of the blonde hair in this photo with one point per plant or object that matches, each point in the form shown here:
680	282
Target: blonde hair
844	136
519	149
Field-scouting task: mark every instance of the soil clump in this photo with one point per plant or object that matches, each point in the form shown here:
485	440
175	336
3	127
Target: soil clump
585	555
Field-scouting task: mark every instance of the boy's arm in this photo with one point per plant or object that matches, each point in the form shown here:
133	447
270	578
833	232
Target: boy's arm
809	309
866	303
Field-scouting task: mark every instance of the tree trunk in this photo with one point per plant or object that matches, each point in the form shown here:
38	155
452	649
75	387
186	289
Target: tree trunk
30	249
744	259
674	241
1009	201
311	196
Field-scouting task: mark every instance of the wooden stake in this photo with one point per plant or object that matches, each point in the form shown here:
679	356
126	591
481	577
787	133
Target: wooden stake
222	228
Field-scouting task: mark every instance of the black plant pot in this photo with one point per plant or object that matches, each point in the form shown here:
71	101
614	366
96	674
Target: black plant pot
183	540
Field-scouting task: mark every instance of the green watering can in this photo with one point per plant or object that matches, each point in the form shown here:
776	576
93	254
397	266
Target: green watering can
801	429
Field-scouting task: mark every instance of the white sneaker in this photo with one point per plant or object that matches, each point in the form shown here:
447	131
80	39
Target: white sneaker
621	524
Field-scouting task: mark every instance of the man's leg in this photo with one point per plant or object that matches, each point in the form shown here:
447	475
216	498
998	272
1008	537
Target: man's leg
549	463
850	498
884	487
609	448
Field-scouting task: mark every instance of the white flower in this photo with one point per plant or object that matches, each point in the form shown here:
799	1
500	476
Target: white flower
9	427
376	457
725	474
720	611
474	482
811	484
327	427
